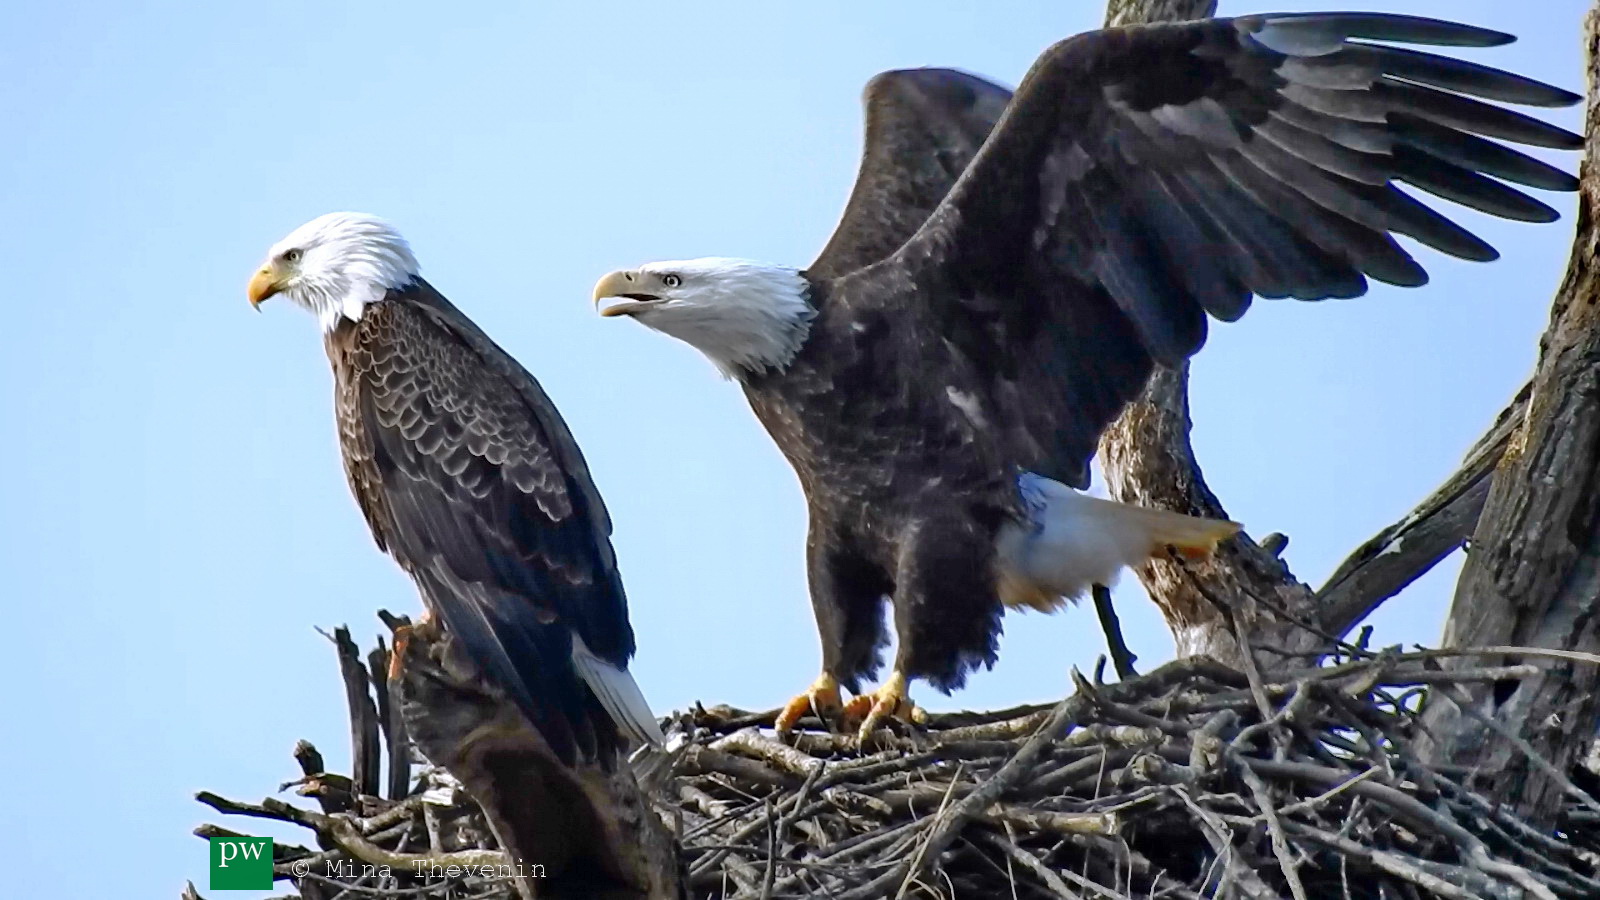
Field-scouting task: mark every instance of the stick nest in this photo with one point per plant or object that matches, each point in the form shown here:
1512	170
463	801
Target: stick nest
1192	781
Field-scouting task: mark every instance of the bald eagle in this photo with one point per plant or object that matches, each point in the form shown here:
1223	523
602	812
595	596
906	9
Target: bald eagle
1008	271
469	479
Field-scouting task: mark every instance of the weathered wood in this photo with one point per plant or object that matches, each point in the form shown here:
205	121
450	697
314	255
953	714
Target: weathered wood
1533	577
1137	12
363	714
1148	460
313	771
1180	783
333	798
589	826
1401	553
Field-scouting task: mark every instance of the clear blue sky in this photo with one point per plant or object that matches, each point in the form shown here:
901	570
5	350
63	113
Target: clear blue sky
175	521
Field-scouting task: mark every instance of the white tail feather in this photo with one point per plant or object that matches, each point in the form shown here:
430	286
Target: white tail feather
1075	541
619	694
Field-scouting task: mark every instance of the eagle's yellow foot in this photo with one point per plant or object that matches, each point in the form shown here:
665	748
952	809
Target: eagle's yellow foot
821	698
890	700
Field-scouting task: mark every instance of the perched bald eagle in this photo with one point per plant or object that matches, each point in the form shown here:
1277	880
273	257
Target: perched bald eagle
1008	272
468	477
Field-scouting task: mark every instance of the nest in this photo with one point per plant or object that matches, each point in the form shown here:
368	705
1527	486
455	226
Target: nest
1192	781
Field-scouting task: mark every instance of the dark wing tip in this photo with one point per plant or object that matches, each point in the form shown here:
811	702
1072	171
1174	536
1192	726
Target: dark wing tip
1462	76
1313	34
1477	154
1561	139
1409	274
1467	114
1323	34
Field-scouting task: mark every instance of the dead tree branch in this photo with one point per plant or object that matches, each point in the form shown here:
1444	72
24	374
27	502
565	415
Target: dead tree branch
1403	552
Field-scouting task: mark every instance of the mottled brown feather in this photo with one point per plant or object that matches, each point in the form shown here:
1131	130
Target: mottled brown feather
469	478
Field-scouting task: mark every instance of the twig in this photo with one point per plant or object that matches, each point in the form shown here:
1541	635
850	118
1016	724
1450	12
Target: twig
1052	880
1121	657
1280	843
951	822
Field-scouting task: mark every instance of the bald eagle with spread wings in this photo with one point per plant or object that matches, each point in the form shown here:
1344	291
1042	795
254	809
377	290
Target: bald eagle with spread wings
469	478
1009	271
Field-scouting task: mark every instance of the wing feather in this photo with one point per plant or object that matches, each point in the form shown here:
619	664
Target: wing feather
1143	179
923	126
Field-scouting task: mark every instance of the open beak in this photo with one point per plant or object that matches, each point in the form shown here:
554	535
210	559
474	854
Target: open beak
625	288
263	284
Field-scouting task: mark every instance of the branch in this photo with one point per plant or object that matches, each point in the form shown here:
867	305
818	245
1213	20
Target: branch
1405	551
1136	12
395	745
363	714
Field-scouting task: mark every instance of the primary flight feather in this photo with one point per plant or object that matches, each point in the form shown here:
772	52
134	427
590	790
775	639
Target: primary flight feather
1009	271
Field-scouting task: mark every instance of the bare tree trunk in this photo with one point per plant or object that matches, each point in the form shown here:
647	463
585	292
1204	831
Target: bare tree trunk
1139	12
1533	576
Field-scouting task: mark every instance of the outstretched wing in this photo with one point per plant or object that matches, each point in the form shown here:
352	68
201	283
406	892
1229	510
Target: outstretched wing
1144	177
923	126
471	480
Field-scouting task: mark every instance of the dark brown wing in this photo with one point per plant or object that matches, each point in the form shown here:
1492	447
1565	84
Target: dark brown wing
923	126
1144	177
470	479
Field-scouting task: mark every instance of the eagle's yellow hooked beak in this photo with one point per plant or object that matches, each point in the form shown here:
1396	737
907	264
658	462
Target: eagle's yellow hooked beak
263	284
635	290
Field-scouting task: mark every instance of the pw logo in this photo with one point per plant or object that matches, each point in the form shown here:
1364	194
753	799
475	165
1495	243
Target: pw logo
241	864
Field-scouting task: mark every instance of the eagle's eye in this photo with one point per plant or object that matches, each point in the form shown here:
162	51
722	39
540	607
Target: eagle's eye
291	256
671	280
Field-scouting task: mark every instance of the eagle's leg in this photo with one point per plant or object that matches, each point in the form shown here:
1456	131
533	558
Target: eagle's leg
821	698
847	598
890	700
946	610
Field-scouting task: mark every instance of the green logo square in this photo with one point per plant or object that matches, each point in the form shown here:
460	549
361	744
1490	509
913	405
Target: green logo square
241	864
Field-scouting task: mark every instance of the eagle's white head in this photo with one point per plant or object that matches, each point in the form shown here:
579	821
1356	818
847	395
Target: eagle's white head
334	265
746	317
